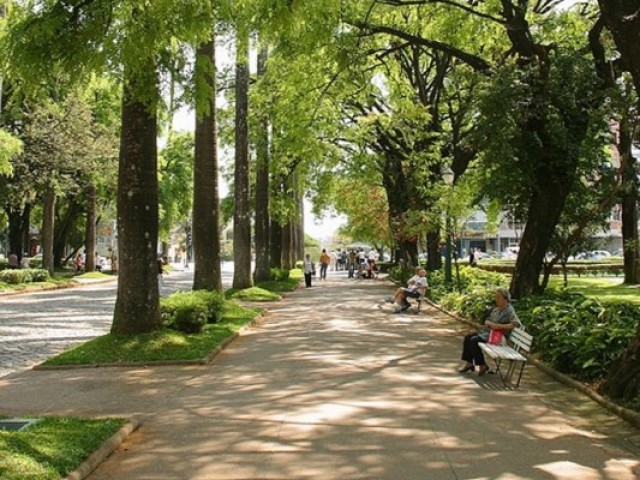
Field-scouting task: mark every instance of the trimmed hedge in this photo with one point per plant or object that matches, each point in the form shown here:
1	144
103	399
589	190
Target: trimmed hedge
27	275
189	312
572	269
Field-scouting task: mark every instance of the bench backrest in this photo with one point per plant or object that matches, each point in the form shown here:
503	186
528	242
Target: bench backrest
520	340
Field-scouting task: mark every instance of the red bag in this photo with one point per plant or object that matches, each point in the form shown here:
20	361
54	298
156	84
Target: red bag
495	337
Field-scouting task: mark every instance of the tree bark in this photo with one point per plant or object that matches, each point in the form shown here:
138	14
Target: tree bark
137	308
275	245
630	240
300	227
61	231
16	236
542	217
434	260
622	19
206	204
90	230
242	212
48	227
262	191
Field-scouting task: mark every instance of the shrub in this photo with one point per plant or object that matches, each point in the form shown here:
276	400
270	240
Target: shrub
579	335
279	274
25	275
183	310
39	275
214	302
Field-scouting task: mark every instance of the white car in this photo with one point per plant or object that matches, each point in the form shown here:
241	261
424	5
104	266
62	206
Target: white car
599	254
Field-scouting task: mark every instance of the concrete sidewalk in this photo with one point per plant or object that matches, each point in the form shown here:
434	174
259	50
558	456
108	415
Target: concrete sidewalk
329	385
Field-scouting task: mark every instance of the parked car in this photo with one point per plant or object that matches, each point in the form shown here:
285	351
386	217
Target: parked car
599	254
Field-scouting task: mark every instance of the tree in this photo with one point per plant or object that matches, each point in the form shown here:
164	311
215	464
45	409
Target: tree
262	190
242	213
206	213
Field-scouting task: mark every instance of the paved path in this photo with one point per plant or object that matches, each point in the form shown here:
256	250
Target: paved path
330	386
36	326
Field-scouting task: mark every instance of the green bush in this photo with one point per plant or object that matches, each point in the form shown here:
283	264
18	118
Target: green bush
39	275
189	312
26	275
214	302
578	335
401	274
279	274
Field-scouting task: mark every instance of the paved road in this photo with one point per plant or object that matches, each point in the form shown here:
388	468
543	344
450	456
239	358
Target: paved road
36	326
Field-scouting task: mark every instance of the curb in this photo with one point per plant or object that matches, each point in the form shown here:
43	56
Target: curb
162	363
106	449
626	414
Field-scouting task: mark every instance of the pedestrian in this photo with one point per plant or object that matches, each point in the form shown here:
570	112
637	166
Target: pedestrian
79	263
161	272
325	259
309	270
352	262
13	261
472	257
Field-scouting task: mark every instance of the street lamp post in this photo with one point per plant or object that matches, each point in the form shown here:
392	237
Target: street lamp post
447	178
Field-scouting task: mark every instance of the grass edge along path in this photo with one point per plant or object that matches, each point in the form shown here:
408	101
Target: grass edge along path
53	448
158	347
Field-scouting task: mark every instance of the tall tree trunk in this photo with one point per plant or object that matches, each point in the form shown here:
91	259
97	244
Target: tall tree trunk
287	245
300	226
206	205
48	227
137	308
262	187
629	208
242	212
16	236
543	215
61	231
26	226
275	245
399	200
434	260
90	229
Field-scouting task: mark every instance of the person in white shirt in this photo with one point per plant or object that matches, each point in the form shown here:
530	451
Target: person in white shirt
416	287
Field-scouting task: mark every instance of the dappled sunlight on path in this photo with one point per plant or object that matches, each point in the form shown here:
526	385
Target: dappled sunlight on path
332	385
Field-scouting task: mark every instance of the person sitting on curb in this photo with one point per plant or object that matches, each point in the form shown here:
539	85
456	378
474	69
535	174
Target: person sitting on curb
416	287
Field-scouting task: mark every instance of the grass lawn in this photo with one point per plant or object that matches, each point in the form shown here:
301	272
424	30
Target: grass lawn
253	294
52	448
288	285
162	345
52	282
94	275
606	289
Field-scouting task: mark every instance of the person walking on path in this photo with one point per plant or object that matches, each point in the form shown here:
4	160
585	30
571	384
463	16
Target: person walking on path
308	270
325	260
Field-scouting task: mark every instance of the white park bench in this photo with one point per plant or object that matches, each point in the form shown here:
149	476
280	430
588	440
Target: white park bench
515	352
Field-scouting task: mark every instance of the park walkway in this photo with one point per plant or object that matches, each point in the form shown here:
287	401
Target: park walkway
331	386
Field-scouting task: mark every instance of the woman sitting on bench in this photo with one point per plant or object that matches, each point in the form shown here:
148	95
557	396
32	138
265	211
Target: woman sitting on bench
501	318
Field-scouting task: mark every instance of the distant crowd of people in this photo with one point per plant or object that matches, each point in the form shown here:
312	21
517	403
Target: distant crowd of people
357	262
